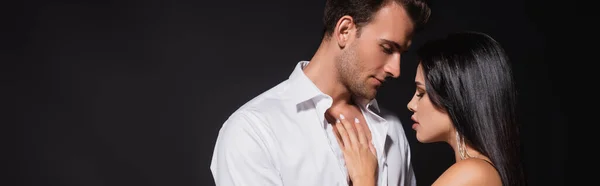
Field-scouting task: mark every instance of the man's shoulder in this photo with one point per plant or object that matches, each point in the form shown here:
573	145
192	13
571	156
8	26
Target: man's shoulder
268	102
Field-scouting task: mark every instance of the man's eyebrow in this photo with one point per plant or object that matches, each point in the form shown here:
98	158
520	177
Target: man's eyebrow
396	45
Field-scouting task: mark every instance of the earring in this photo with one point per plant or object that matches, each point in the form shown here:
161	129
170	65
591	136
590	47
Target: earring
462	150
458	146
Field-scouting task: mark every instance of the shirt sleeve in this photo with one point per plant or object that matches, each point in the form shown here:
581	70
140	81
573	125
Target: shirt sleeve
242	155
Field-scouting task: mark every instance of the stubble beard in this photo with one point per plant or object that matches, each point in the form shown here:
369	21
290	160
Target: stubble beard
349	74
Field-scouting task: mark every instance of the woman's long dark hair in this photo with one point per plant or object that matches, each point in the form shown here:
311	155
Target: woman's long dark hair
468	75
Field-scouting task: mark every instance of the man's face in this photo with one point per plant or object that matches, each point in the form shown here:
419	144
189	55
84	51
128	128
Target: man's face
374	54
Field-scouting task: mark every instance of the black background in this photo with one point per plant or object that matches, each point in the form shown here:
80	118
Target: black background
134	92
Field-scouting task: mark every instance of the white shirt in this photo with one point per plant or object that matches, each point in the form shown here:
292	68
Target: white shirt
281	137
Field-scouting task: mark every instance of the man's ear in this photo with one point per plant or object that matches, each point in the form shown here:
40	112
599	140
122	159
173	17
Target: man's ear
345	29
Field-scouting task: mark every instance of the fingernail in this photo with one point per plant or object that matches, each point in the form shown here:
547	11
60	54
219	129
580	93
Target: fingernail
342	116
337	120
356	120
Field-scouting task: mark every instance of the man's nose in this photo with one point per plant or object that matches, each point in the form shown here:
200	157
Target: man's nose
392	68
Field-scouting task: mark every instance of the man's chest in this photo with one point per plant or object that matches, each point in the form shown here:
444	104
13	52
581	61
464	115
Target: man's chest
310	161
311	157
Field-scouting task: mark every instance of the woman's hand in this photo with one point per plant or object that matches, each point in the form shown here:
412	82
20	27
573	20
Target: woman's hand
359	152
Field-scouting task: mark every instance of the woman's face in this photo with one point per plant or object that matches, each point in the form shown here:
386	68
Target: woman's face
431	124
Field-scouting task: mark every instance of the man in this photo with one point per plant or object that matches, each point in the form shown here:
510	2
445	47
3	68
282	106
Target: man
285	136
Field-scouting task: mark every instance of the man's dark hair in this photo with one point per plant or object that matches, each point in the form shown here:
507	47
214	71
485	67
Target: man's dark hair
362	12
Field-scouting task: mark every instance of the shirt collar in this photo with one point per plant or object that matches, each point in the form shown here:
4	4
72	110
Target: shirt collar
368	105
303	89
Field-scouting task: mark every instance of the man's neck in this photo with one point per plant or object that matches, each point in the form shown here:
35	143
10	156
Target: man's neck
322	72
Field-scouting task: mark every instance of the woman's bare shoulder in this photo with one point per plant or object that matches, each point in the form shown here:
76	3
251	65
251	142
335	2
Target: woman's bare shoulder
471	171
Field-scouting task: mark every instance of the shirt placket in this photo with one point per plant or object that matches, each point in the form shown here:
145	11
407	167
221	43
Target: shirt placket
333	144
380	135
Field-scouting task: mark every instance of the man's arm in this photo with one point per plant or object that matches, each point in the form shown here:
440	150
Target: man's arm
241	155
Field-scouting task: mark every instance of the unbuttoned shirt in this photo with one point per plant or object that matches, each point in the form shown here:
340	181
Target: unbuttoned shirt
281	137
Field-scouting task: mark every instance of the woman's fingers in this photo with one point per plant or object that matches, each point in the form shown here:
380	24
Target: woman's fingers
352	134
341	133
350	130
359	152
362	138
372	148
337	132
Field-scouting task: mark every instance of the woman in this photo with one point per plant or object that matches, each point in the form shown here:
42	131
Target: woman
465	96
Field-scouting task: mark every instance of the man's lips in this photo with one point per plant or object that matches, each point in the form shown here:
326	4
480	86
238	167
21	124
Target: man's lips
379	81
